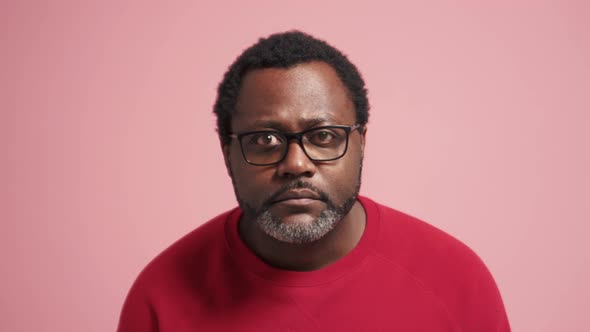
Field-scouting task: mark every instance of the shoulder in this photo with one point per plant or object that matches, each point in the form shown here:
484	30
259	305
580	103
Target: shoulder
185	257
165	281
420	247
443	265
402	236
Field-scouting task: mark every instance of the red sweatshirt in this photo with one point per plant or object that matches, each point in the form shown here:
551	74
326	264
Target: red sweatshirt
403	275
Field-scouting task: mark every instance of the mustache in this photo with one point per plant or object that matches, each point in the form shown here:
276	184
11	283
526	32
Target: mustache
294	185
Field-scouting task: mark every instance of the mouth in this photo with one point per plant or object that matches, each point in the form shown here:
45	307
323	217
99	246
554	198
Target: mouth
297	197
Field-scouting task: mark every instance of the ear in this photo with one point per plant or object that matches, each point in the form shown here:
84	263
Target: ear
225	148
363	139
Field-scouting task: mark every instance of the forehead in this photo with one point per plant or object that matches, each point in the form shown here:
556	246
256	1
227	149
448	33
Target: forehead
294	98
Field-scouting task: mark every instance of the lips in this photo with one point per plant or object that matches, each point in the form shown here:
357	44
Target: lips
297	194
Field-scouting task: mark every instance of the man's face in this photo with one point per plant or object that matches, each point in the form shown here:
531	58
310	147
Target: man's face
296	200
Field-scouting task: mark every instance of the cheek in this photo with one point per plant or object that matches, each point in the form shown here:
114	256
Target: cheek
342	180
249	181
239	170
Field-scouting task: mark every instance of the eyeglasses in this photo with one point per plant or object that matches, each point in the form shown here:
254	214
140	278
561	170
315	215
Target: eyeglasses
269	147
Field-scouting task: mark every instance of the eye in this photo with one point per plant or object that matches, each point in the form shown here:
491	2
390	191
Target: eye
325	135
265	139
321	137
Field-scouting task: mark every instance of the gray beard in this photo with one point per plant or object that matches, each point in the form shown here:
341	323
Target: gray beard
299	233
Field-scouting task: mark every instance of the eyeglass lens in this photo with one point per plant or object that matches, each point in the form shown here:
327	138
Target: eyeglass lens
319	144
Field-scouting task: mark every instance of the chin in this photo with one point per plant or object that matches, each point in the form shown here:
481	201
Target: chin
298	229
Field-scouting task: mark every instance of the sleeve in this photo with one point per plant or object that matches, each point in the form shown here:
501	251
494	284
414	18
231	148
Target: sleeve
137	314
480	306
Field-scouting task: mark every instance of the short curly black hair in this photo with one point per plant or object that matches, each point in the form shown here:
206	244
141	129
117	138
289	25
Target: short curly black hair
284	50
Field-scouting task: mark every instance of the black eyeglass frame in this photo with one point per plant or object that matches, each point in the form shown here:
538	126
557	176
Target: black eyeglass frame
297	136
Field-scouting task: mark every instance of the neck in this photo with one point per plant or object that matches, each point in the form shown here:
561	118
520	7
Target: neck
309	256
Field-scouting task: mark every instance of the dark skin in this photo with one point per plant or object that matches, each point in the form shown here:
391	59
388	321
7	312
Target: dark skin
292	100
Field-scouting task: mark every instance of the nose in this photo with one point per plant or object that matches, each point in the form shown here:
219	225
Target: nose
296	163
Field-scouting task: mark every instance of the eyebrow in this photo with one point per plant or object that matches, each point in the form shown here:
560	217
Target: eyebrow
306	123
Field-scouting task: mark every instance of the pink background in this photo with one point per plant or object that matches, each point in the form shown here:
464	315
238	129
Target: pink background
479	125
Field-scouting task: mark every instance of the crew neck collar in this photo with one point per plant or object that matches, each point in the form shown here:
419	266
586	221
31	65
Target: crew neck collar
248	261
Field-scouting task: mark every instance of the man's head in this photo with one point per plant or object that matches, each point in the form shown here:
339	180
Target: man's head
296	188
284	50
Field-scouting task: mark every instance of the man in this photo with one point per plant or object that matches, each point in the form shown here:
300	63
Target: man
303	251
